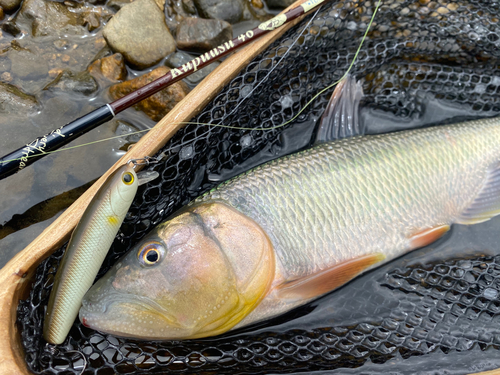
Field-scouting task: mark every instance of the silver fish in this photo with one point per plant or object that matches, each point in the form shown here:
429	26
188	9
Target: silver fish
296	228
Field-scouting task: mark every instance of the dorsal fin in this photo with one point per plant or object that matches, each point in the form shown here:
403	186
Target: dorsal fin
341	117
487	202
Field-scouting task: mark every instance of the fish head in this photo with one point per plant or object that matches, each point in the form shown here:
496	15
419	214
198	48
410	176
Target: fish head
196	275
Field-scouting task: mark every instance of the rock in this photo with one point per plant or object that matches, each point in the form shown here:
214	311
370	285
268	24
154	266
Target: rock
80	83
279	3
26	64
116	5
50	17
179	58
129	132
11	28
112	68
10	5
189	7
1	13
227	10
139	32
197	34
15	101
55	18
157	105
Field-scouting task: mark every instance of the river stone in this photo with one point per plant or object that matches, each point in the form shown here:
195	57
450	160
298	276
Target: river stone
279	3
10	5
51	18
80	83
111	67
139	32
15	101
227	10
198	34
157	105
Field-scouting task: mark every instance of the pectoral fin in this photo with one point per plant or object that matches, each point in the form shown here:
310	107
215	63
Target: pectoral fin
325	281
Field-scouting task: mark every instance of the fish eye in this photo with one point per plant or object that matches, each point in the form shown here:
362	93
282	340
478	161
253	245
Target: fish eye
128	178
151	253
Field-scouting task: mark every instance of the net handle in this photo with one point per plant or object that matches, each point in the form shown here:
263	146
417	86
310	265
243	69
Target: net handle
17	274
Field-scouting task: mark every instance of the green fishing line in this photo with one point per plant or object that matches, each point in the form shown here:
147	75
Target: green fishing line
236	127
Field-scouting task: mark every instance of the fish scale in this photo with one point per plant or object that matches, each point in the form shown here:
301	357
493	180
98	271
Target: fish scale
298	227
393	177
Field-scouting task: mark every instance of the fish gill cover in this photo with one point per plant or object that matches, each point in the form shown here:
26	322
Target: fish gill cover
416	52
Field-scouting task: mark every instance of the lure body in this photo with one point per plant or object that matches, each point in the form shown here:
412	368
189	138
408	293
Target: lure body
295	228
86	251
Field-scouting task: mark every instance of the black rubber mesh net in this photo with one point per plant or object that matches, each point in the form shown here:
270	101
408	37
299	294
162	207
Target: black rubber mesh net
416	52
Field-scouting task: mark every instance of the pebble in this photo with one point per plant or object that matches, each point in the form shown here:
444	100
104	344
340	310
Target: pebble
157	105
201	35
111	67
80	83
15	101
9	5
279	3
139	32
50	18
227	10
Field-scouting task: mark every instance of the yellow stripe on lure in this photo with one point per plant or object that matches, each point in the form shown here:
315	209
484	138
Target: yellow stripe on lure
86	251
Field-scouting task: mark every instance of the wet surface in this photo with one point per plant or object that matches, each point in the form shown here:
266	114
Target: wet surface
403	77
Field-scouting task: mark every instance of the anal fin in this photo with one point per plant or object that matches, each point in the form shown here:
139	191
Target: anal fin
486	204
327	280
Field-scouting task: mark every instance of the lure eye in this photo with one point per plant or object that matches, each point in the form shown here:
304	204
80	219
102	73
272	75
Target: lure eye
151	253
127	178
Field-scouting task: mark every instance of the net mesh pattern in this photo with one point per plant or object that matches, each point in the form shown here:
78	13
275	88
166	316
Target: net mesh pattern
447	50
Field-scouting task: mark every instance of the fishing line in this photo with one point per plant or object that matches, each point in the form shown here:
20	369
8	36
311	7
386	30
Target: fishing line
237	127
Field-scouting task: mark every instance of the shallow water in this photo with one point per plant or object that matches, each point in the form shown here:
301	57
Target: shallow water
372	304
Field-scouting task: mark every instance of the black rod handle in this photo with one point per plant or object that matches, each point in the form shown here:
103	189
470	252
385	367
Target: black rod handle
38	148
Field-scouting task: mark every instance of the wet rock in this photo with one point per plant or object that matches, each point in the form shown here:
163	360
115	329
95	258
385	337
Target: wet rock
10	5
116	5
139	32
111	67
157	105
15	101
1	13
50	17
129	132
279	3
189	7
198	34
80	83
11	28
27	64
180	58
55	18
227	10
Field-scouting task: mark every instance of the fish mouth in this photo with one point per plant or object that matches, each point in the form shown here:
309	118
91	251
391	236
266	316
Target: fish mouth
93	311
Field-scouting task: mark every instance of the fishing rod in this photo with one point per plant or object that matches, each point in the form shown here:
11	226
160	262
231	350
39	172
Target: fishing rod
41	146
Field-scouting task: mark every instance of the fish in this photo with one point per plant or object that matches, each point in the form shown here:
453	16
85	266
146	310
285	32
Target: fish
87	248
296	228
